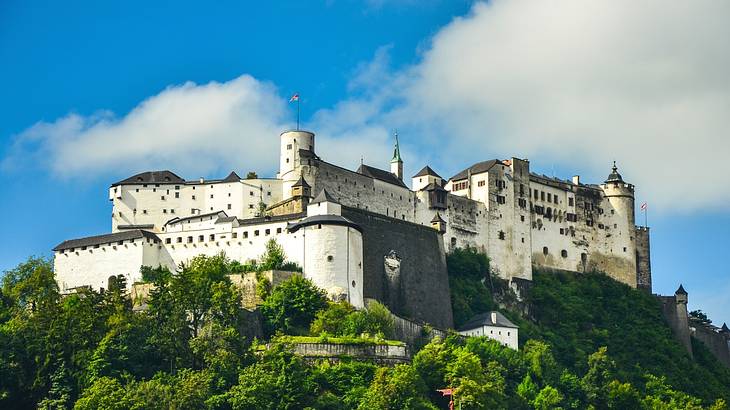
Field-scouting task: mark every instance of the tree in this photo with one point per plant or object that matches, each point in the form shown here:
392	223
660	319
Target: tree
396	388
251	175
548	398
106	393
700	316
293	305
599	375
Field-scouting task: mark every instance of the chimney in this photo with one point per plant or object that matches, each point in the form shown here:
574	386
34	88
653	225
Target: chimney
201	180
576	179
494	318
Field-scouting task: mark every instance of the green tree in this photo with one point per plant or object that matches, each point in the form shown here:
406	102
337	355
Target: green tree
600	374
548	398
293	305
396	388
106	393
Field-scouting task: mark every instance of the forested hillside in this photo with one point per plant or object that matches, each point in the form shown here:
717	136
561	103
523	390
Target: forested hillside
592	342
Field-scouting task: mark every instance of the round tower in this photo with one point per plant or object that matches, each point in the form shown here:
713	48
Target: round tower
291	143
621	195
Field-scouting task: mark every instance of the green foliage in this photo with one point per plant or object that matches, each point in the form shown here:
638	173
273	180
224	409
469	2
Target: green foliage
468	272
576	314
292	306
396	388
341	319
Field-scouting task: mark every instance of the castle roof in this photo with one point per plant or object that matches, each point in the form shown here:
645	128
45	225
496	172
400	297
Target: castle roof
232	177
680	290
724	328
485	319
324	196
187	218
226	219
302	183
427	171
385	176
152	177
323	220
432	186
614	176
107	238
396	151
437	218
477	168
139	226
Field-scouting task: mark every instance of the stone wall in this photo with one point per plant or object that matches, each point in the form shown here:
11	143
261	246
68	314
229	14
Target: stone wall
716	342
643	260
415	333
676	316
424	291
381	354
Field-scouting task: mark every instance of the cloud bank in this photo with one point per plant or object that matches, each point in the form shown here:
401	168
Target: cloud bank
568	81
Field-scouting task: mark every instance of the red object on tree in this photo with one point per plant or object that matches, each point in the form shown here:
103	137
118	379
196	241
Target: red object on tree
448	392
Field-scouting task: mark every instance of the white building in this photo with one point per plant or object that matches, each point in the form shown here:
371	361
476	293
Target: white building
520	219
494	326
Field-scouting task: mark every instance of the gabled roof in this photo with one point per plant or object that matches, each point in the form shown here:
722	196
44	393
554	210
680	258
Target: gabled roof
108	238
152	177
302	183
226	219
385	176
485	319
724	328
477	168
680	290
433	187
324	196
426	171
232	177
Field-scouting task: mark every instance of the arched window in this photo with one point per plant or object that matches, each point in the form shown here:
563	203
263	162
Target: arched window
544	250
564	253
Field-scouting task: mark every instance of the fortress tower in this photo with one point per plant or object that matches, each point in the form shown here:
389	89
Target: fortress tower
291	144
621	195
620	220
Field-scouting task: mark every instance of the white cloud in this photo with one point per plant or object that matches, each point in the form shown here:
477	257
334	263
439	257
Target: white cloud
188	128
644	83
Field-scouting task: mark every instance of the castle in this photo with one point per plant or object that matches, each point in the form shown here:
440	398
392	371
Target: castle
365	234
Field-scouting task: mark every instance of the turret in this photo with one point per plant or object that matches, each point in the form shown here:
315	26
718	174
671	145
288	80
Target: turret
620	194
324	204
438	223
681	295
301	188
396	164
289	160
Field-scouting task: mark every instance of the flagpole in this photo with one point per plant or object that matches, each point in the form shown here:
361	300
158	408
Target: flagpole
646	217
297	113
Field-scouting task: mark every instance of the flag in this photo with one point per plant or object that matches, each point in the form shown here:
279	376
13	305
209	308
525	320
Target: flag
644	206
446	392
294	97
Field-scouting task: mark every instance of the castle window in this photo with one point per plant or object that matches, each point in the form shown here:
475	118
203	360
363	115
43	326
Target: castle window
164	211
288	146
522	218
570	201
564	253
522	202
481	183
250	206
145	185
501	199
250	193
193	197
330	258
278	230
136	190
177	186
234	235
589	222
211	196
522	189
542	195
211	237
267	232
562	231
179	239
256	232
268	193
157	185
172	211
229	206
624	249
453	242
501	235
544	250
245	234
201	238
287	160
177	195
154	189
167	240
190	239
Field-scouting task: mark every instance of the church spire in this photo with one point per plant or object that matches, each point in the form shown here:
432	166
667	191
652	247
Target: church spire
396	150
396	164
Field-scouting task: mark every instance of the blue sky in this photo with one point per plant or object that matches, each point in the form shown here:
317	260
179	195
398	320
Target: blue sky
96	91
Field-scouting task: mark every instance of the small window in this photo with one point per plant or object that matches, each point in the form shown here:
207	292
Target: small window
256	233
245	234
544	250
288	146
234	235
570	201
211	237
330	258
250	206
193	197
278	230
201	238
211	196
190	239
229	206
167	240
501	235
177	195
564	253
179	239
267	232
